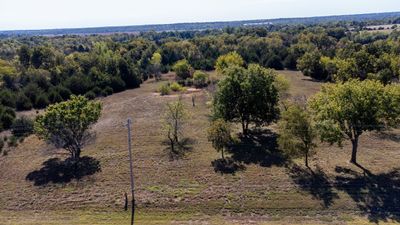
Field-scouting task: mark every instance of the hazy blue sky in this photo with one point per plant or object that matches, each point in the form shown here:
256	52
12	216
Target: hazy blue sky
35	14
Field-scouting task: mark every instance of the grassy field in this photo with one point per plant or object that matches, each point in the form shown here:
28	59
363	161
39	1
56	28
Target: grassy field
266	189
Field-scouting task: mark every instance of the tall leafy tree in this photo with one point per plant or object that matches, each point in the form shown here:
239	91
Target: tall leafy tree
347	110
247	96
67	124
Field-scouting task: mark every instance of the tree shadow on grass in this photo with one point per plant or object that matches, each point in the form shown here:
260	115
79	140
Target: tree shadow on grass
377	196
258	147
57	171
389	136
181	149
227	166
314	182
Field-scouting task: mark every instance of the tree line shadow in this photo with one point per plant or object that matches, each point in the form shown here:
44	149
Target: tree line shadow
376	195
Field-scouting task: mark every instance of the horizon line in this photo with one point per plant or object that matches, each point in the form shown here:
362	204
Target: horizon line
195	22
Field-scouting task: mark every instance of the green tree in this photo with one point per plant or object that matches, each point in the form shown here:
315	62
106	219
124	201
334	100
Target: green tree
297	132
345	69
219	133
346	110
174	120
328	67
67	124
183	69
311	66
228	60
247	96
156	65
43	57
24	56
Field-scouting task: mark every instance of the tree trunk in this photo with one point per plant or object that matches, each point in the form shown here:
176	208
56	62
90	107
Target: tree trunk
76	154
244	127
172	145
126	202
306	160
222	153
354	143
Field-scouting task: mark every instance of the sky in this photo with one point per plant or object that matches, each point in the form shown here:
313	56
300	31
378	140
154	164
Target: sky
45	14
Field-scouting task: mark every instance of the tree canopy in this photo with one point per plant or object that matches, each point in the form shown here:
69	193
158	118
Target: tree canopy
347	110
219	133
297	133
67	124
247	96
183	69
228	60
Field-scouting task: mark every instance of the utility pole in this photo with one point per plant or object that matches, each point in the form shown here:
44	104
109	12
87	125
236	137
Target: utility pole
131	170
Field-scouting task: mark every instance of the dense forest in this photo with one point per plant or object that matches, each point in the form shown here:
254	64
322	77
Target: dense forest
36	71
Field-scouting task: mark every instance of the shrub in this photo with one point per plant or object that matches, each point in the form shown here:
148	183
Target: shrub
165	89
96	90
182	82
183	69
22	127
54	97
7	116
176	87
117	84
200	79
64	92
41	101
23	102
32	91
12	142
189	82
107	91
165	68
7	98
90	95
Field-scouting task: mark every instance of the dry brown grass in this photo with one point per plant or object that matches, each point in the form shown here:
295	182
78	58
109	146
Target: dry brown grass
190	188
